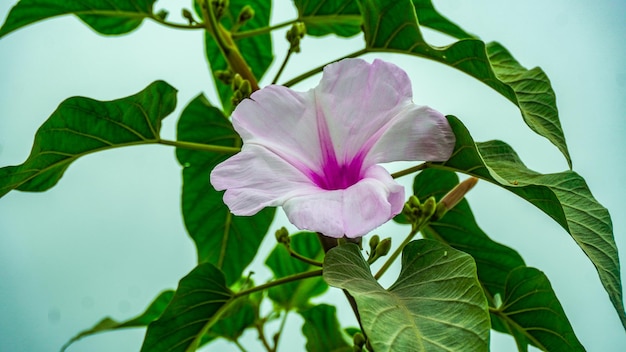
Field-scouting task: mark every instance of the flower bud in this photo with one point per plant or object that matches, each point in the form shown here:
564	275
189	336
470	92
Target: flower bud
189	16
294	35
162	14
383	247
374	243
282	236
359	341
246	14
428	208
452	198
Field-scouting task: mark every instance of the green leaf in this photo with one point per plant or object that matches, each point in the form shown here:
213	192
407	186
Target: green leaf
531	307
495	266
340	17
227	241
81	126
240	316
155	309
298	293
322	330
459	230
201	298
256	50
435	305
106	17
429	17
563	196
392	26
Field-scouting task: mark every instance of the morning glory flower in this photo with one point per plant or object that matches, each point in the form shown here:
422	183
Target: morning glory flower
315	153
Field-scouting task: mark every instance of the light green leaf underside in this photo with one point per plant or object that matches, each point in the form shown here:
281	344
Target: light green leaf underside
323	17
435	305
81	126
153	311
200	300
106	17
322	330
495	264
563	196
392	26
298	293
220	237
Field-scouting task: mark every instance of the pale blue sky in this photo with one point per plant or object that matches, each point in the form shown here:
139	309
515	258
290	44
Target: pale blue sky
109	236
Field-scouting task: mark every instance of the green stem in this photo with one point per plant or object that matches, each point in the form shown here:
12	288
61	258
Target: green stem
177	25
200	146
280	331
320	68
278	282
282	66
259	31
302	258
409	170
414	230
238	344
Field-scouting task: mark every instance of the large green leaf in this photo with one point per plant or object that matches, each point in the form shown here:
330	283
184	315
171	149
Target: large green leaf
429	17
229	242
563	196
340	17
106	17
298	293
256	50
531	311
435	305
322	330
392	26
495	264
81	126
153	311
201	298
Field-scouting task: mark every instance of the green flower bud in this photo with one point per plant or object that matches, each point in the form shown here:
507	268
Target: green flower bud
294	35
162	14
189	16
374	240
282	236
384	247
246	14
359	341
428	208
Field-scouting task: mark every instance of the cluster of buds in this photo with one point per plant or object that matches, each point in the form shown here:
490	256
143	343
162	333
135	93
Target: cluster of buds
430	210
241	89
294	35
378	248
417	212
219	7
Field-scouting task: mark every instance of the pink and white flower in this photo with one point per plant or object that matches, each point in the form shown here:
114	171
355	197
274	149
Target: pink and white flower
315	153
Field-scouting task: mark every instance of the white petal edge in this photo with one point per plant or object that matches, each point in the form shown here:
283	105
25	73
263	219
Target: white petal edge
415	133
256	178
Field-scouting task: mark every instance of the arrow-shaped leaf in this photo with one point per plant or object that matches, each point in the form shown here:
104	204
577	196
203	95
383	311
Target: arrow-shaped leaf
392	26
229	242
106	17
495	266
153	311
429	17
201	298
435	305
563	196
81	126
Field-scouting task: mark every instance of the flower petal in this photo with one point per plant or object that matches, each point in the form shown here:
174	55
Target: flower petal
350	212
357	100
416	133
284	122
256	178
